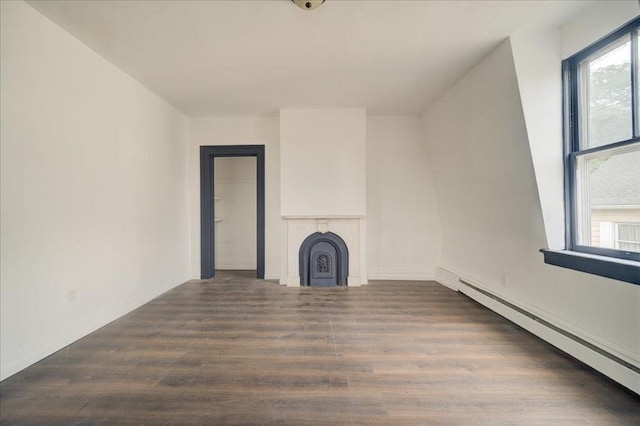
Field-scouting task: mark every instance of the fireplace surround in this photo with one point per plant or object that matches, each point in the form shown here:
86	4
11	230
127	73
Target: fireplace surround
350	229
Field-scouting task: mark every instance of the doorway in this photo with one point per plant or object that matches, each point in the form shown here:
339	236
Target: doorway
234	202
208	154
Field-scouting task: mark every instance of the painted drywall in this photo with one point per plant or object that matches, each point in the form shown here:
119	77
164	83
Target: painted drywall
536	56
323	161
94	217
235	211
492	220
394	157
403	228
238	131
594	22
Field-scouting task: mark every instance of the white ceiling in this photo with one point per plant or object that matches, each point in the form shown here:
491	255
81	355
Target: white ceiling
223	58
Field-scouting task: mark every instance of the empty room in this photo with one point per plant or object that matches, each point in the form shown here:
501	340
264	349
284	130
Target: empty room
319	212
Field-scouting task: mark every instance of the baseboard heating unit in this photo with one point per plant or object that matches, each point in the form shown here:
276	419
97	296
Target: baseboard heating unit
549	325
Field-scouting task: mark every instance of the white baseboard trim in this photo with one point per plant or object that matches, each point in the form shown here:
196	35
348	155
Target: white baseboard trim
447	278
15	361
293	281
593	357
402	275
354	281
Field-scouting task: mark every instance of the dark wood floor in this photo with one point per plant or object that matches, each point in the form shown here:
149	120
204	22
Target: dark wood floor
237	350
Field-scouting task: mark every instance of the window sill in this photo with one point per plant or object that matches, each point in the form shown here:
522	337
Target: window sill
610	267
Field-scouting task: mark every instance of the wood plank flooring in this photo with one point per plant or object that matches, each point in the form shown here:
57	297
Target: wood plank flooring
237	350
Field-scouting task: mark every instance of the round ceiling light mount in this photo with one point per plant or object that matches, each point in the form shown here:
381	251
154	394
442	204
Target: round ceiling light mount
308	4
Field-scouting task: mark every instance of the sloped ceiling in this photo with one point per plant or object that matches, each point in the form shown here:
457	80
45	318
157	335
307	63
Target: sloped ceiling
224	58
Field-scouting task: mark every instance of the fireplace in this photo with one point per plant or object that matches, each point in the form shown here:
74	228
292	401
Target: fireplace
324	260
339	260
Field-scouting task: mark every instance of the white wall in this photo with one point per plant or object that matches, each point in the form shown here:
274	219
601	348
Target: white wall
235	211
403	228
536	55
238	131
492	221
323	161
94	218
595	22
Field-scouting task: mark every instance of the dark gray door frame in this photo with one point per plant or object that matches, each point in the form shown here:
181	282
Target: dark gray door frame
207	205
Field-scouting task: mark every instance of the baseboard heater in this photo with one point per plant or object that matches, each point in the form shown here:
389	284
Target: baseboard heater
555	328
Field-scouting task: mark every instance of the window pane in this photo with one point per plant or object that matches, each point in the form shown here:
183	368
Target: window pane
628	237
606	96
608	194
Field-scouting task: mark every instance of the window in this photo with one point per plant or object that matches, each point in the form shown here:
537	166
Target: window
628	236
602	144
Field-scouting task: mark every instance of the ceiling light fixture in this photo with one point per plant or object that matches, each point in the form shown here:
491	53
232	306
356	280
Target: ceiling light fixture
309	4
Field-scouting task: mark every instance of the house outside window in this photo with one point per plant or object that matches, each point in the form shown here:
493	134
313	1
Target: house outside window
602	144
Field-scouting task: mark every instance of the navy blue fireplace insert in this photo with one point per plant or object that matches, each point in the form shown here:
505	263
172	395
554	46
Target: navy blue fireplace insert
324	260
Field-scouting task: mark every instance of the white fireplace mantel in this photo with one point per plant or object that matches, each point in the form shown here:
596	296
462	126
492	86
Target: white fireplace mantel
351	228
